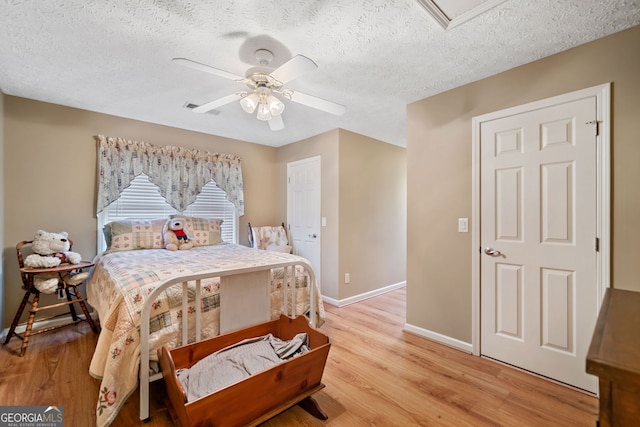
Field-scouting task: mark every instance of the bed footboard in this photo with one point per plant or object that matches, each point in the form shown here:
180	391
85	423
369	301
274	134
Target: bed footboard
244	301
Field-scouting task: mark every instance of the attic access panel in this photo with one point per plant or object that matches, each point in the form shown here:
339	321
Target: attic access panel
450	13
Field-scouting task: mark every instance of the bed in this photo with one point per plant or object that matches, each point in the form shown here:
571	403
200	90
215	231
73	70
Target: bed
208	282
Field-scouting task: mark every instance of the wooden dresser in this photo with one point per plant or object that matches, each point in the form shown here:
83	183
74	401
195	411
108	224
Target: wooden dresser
614	356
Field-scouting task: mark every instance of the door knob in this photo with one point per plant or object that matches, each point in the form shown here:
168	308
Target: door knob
313	236
492	252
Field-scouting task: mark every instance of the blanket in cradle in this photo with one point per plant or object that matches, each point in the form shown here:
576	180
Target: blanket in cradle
238	361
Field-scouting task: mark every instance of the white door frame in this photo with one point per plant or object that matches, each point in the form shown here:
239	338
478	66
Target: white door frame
603	125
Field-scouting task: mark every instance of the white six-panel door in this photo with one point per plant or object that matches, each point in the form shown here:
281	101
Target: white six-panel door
303	210
538	292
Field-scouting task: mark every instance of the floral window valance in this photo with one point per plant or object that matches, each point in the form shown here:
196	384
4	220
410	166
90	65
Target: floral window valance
180	173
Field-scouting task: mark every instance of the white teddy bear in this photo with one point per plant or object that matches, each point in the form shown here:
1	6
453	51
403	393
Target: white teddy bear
51	250
177	235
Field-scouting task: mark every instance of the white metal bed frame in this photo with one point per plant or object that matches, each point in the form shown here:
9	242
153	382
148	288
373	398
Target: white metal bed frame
239	288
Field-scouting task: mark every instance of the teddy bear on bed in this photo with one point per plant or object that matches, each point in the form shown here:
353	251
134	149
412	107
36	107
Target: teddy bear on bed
51	250
176	234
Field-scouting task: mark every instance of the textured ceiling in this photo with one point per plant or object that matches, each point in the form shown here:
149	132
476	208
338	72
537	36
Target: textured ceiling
373	56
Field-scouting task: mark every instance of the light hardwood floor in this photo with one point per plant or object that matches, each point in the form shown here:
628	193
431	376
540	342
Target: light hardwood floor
376	375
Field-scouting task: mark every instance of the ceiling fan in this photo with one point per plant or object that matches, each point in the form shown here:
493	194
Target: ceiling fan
264	83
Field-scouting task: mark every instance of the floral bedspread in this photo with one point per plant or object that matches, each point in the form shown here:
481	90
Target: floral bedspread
117	289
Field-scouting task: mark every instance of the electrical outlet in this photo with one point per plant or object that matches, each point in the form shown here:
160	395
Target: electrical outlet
347	277
61	294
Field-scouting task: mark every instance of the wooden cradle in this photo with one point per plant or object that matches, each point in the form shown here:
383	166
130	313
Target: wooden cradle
258	397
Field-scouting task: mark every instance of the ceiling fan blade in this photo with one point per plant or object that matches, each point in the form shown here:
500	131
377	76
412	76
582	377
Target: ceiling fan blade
276	123
206	68
218	103
318	103
293	68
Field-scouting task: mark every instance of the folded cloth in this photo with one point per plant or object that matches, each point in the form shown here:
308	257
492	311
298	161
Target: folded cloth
236	362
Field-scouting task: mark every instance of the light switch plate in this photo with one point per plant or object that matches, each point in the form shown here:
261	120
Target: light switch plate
463	225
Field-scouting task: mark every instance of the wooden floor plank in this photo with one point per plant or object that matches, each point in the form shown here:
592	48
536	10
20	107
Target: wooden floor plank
377	374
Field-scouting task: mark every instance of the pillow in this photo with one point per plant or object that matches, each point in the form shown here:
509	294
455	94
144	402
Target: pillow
269	236
131	234
205	231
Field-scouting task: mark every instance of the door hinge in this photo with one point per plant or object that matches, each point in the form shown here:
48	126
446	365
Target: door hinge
597	124
597	244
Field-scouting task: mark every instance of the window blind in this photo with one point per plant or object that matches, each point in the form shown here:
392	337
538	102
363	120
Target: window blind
142	200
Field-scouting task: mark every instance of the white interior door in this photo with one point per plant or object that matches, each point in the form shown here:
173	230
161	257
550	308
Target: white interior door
538	209
303	210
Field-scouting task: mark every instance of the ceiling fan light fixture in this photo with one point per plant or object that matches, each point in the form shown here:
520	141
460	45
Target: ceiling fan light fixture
263	112
249	103
264	84
276	107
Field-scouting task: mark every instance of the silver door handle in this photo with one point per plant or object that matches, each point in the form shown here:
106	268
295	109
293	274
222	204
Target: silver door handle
492	252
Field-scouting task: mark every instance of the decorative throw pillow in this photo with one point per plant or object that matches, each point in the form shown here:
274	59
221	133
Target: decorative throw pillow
266	236
205	231
131	234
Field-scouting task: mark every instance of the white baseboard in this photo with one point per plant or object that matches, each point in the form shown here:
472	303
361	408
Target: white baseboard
364	296
47	323
442	339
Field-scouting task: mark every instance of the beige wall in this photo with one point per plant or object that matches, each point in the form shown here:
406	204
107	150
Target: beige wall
50	175
439	172
373	212
364	202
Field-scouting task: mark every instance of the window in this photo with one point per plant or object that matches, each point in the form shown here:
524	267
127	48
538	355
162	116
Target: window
142	200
